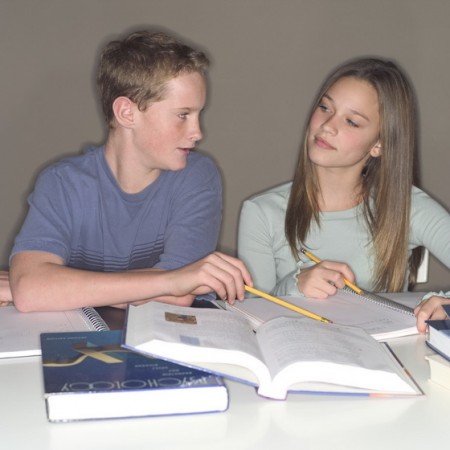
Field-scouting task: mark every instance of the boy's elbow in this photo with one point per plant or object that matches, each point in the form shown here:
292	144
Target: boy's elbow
22	295
23	304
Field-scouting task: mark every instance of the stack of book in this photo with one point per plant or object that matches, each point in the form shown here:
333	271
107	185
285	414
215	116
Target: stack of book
439	335
439	370
439	341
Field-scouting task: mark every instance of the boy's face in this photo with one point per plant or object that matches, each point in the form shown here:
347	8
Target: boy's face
168	129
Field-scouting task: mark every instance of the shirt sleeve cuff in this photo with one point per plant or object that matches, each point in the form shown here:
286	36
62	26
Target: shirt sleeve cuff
437	294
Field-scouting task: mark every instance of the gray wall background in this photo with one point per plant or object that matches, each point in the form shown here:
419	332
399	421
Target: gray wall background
268	59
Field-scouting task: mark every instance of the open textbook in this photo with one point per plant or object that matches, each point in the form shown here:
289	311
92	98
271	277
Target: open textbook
284	354
383	317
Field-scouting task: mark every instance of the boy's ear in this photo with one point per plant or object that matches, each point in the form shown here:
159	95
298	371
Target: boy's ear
123	109
376	150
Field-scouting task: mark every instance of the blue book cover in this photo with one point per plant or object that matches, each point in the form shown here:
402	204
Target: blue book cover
88	375
439	335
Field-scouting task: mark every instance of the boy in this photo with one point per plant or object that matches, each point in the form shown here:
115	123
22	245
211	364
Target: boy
124	223
5	291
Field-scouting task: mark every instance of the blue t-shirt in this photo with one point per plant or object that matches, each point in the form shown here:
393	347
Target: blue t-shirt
79	212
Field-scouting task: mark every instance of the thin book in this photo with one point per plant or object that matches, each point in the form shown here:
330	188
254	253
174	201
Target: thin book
383	317
20	332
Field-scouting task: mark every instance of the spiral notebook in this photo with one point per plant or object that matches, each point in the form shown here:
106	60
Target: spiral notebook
20	332
384	317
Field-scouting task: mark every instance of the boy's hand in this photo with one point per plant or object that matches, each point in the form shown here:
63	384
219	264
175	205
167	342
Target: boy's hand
216	272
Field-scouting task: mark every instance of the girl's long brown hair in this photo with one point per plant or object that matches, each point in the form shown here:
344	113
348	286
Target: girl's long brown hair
386	181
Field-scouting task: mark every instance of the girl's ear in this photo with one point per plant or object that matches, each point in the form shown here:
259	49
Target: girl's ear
123	109
375	152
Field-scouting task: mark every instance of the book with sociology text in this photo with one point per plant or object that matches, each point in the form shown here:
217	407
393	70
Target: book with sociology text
88	375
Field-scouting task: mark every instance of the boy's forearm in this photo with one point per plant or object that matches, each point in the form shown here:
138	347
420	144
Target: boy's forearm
5	290
50	286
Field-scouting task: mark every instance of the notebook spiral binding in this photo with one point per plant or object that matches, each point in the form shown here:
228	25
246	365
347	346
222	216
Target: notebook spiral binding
383	301
94	319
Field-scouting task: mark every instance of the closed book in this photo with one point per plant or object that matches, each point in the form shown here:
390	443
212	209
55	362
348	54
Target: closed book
88	375
439	370
439	335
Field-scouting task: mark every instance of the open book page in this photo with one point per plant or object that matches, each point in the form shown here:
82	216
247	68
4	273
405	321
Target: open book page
213	336
344	308
297	350
305	351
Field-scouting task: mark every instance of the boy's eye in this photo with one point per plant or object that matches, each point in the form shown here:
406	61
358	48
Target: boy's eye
323	107
182	115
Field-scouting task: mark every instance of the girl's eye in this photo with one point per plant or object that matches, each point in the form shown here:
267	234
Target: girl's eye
352	124
182	115
323	107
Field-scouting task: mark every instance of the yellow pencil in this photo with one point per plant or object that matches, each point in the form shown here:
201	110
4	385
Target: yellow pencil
317	261
286	304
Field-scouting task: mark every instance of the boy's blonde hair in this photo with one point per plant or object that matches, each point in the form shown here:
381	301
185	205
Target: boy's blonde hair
139	67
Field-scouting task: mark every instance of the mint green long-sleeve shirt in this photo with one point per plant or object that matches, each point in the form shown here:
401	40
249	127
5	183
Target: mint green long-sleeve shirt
343	236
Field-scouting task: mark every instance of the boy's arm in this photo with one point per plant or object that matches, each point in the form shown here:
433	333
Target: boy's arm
40	282
5	290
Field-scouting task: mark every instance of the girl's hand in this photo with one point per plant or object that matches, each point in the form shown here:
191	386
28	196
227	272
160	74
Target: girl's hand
323	279
430	309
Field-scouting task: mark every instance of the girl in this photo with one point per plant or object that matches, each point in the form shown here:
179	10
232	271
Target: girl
352	202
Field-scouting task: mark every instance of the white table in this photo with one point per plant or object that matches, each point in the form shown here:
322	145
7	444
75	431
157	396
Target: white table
303	421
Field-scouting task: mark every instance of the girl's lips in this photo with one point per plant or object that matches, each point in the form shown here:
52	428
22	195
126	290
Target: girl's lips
322	143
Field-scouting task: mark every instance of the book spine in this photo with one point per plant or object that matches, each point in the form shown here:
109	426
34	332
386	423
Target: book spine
93	319
438	351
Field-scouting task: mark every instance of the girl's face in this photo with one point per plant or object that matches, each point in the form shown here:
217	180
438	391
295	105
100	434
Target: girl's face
344	129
